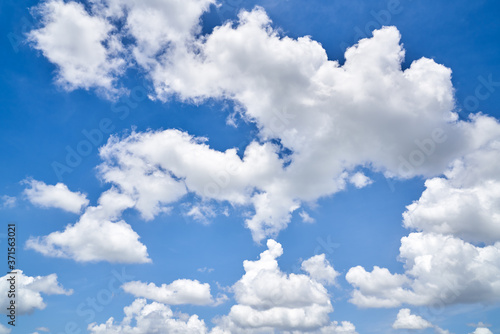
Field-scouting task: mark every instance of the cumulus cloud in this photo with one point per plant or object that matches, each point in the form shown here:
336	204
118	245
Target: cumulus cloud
482	330
360	180
84	47
406	320
181	291
464	203
57	196
29	290
268	299
320	269
97	236
439	269
368	112
141	317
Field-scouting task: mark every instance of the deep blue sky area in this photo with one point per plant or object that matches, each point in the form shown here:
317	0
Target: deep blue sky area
40	121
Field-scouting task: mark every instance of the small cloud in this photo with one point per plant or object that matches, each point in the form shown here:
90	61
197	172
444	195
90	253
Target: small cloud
306	218
479	324
360	180
54	196
220	299
8	201
43	329
202	213
205	270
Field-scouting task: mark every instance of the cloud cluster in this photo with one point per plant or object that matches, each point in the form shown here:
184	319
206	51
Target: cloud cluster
269	299
98	235
466	202
318	122
28	291
442	264
367	112
141	317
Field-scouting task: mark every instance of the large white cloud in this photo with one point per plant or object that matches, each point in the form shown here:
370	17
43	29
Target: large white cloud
181	291
28	291
367	112
84	47
268	299
57	196
141	317
97	236
464	203
442	263
439	270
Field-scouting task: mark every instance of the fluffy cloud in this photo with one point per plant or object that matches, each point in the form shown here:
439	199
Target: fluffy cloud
268	299
368	112
406	320
181	291
320	269
97	236
440	270
482	330
464	203
58	196
158	168
442	263
141	317
29	290
360	180
84	47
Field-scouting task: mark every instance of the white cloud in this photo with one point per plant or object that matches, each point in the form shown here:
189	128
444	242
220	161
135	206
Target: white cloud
57	196
8	201
181	291
141	317
83	46
201	213
360	180
345	327
305	217
268	299
406	320
464	203
43	329
439	269
29	290
97	236
368	112
482	330
320	269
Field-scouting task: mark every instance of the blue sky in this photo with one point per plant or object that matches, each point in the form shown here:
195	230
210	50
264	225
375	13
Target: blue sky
319	148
